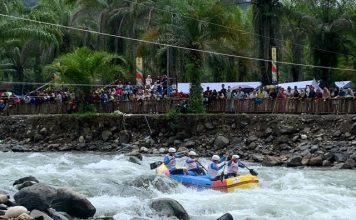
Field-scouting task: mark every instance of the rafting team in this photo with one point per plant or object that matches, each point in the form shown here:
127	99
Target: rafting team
194	168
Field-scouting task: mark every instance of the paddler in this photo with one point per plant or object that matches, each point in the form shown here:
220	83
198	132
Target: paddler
215	165
233	166
170	161
192	164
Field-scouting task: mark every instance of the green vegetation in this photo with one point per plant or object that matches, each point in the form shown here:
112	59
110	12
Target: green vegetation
84	66
317	32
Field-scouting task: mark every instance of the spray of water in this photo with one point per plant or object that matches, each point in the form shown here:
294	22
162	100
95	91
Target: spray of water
119	188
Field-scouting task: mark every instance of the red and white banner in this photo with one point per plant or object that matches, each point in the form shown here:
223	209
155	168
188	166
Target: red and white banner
274	66
139	71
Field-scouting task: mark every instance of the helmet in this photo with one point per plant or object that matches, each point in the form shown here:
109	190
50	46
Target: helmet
235	157
215	157
171	150
192	153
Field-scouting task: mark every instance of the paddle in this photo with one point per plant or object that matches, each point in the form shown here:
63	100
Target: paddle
155	164
202	166
253	173
222	174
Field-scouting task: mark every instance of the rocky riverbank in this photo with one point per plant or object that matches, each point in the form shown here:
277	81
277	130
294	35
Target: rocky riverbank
273	140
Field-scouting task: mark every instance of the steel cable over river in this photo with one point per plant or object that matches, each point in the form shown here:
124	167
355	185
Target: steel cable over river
122	189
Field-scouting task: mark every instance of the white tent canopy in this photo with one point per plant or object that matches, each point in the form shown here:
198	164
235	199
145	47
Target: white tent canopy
300	85
344	84
184	87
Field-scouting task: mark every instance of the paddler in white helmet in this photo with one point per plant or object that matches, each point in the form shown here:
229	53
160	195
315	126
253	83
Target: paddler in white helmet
193	165
233	166
215	165
170	161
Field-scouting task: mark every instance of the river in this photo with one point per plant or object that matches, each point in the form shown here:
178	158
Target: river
110	183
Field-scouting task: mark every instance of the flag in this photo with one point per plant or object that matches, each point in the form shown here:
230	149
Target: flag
274	66
139	71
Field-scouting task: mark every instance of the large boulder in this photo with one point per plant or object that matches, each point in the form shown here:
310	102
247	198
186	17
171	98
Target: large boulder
294	161
257	158
188	144
38	196
42	197
25	179
19	148
169	207
226	216
58	215
353	129
316	161
14	212
271	161
125	137
209	126
135	160
158	182
3	207
4	199
287	130
24	216
36	214
350	164
73	203
221	141
340	157
105	135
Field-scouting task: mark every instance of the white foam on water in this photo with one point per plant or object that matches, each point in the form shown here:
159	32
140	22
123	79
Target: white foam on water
284	193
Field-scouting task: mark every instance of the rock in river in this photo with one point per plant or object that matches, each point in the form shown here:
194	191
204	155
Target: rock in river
169	207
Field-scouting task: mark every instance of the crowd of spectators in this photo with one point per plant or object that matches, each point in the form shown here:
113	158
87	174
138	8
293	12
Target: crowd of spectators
164	88
277	92
161	88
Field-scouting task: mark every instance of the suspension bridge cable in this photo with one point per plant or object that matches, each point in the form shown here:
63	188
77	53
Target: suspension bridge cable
235	29
173	46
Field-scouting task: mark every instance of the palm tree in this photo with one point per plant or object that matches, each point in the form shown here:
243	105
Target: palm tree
27	46
295	35
118	17
266	22
196	32
84	66
329	34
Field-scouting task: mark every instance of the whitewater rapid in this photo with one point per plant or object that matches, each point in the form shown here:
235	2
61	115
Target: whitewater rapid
109	182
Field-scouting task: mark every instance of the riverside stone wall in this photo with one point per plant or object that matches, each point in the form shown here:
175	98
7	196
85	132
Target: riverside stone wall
291	140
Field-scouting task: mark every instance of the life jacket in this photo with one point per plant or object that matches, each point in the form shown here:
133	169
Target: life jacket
170	161
213	169
191	164
233	167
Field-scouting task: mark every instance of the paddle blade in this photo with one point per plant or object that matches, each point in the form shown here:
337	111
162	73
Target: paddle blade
155	165
222	177
253	173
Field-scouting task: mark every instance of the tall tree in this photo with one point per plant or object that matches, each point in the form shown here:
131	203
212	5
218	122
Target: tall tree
205	28
266	22
329	29
84	66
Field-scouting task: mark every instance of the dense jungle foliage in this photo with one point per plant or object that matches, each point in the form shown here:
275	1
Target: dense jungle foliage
314	32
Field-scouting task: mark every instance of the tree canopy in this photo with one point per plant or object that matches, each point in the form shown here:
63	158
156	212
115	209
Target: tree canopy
315	32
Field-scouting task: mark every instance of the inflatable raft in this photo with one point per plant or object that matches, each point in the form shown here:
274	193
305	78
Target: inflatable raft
204	182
